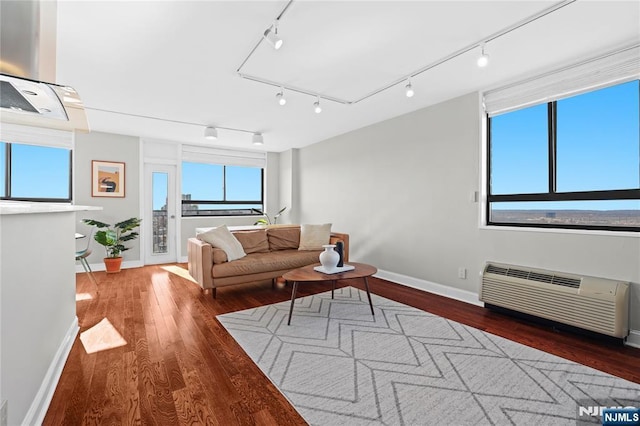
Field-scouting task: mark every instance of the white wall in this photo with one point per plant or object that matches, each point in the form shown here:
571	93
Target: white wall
38	310
288	188
402	189
108	147
273	204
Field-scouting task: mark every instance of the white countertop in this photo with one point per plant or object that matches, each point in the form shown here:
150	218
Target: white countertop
24	207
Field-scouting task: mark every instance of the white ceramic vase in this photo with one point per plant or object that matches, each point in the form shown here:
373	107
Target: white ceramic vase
329	258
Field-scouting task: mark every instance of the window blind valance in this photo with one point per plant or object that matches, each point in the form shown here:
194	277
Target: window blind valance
29	135
606	70
203	154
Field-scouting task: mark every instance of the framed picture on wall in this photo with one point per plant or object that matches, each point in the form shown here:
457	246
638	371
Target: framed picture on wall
107	179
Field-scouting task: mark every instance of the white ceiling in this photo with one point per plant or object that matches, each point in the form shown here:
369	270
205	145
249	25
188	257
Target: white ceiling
176	61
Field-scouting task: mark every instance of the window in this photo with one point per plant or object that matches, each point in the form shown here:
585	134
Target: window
216	190
35	173
569	163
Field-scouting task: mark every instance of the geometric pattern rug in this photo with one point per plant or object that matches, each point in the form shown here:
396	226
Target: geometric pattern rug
337	364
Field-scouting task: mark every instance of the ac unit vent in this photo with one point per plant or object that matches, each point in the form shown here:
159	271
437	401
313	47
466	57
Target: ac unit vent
493	269
534	276
566	281
592	303
517	273
542	278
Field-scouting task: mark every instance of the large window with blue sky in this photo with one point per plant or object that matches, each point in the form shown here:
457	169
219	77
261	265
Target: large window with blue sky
221	190
570	163
35	173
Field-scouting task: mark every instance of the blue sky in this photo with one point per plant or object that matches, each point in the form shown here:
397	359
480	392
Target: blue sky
206	182
598	147
38	172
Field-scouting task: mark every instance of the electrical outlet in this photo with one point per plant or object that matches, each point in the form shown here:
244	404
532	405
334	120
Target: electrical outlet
462	273
4	406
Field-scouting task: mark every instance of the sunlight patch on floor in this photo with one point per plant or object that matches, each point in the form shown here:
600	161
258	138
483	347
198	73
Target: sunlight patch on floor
101	337
179	271
83	296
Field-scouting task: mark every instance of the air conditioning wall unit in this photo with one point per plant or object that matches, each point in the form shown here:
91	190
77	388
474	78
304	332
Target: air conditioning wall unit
596	304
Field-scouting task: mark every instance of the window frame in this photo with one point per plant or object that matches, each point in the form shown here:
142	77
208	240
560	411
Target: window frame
7	182
224	200
552	194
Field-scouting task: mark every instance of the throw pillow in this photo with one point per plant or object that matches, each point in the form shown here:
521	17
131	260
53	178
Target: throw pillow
313	237
253	241
283	238
222	238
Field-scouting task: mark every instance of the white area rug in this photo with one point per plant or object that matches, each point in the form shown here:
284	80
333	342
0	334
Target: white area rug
339	365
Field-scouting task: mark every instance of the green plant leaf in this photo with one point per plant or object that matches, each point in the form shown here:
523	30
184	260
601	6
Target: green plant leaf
113	237
96	223
129	237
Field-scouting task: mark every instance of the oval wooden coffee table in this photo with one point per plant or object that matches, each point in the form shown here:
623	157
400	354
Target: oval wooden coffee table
308	274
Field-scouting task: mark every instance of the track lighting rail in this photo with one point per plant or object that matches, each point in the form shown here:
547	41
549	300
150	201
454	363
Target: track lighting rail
472	46
293	89
207	132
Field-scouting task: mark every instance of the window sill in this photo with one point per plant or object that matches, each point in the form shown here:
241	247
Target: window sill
623	234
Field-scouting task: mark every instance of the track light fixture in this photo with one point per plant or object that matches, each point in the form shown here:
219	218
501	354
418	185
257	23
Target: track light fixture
316	106
211	133
271	35
258	139
483	59
409	89
280	97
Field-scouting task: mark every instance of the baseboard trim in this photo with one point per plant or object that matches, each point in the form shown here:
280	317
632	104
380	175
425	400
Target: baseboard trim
633	339
96	267
431	287
40	404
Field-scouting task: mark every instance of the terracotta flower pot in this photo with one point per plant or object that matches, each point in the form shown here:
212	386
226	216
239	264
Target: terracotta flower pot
112	264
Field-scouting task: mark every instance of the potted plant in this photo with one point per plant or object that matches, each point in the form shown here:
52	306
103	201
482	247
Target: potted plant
113	239
267	220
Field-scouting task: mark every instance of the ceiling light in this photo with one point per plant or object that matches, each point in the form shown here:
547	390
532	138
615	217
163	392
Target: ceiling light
280	97
483	59
409	89
258	139
316	106
211	133
271	35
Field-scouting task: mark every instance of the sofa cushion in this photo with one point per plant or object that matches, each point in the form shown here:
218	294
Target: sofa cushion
256	263
222	238
218	255
253	241
283	238
313	237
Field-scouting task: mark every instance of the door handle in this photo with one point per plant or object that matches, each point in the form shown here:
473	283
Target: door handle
173	216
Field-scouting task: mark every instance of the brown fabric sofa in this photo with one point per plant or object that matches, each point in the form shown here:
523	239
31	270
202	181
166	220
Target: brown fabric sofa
271	252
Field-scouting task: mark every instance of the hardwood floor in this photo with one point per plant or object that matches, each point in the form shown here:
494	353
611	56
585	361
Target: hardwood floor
180	366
